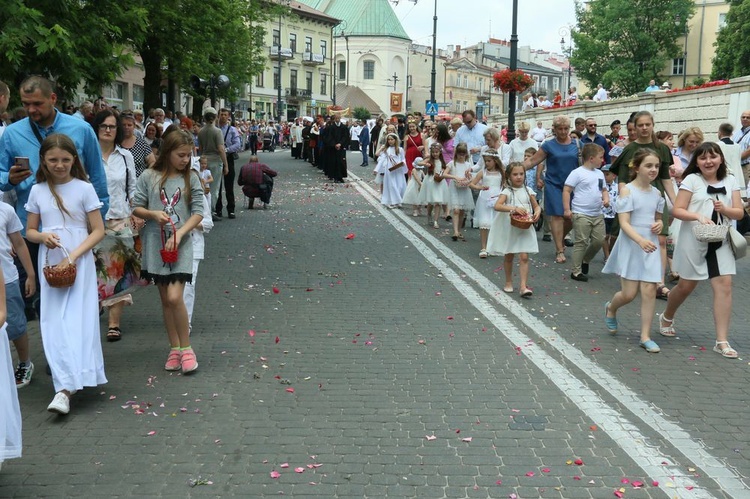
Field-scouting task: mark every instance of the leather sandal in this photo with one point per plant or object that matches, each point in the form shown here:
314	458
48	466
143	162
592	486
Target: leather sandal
114	334
727	351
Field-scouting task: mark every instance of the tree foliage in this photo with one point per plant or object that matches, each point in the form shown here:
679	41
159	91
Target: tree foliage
202	37
361	113
625	43
70	41
732	57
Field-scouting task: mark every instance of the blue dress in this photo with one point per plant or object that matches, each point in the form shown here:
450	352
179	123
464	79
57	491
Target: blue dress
628	260
561	160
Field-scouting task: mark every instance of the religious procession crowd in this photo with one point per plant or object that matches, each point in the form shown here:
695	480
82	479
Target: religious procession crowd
661	207
97	202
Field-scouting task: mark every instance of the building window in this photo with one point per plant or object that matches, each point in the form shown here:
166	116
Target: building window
678	66
544	82
556	83
276	79
323	84
324	47
369	70
308	44
308	80
293	79
342	70
115	93
722	20
138	95
466	83
259	80
276	38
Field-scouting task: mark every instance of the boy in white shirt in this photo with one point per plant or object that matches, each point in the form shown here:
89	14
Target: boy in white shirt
12	242
588	189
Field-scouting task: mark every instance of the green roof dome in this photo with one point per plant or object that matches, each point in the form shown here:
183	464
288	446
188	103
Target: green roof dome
363	17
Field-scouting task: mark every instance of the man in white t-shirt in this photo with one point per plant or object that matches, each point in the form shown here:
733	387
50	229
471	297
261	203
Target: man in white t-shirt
601	94
539	133
732	155
354	136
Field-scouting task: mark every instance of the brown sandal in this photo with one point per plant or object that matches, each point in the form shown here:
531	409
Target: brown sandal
114	334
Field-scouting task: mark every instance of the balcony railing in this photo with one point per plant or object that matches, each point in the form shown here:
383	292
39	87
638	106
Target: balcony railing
298	93
282	53
313	59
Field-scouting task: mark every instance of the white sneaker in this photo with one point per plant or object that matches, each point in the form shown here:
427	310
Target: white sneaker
60	404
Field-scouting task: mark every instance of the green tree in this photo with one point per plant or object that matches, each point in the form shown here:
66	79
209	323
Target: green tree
625	43
361	113
732	57
70	41
202	37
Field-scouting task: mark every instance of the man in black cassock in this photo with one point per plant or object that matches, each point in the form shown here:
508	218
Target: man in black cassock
336	143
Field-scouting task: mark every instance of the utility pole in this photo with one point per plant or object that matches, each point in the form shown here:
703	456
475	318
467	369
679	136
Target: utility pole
395	80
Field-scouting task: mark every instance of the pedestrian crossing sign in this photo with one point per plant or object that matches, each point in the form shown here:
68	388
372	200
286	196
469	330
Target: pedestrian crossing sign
432	108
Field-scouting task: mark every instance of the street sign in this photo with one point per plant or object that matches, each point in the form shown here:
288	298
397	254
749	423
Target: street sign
432	108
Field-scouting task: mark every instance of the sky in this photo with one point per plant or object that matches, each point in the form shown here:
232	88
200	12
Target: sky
466	22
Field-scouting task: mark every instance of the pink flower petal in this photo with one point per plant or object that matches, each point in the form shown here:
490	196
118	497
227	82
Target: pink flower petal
278	339
545	470
299	469
624	480
576	477
151	433
350	236
276	290
290	390
499	482
275	474
655	483
619	494
578	462
636	484
284	465
251	333
450	317
529	473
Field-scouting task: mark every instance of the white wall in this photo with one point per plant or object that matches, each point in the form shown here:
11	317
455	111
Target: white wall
705	108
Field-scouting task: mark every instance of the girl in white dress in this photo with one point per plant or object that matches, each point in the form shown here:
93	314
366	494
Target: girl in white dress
379	175
635	257
394	168
66	206
489	183
707	191
461	200
10	411
411	195
434	192
505	239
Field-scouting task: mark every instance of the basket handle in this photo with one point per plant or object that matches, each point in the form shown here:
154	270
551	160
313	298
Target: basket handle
174	235
65	252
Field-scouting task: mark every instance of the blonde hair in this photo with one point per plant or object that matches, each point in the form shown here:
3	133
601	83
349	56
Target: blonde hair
693	130
560	121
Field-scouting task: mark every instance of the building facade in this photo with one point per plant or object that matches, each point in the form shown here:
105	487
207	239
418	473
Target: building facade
696	60
299	62
371	50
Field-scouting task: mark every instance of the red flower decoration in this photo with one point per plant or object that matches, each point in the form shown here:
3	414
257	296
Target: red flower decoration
512	81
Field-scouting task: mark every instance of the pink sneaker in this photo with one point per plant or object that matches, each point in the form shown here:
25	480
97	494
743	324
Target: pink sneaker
173	361
189	362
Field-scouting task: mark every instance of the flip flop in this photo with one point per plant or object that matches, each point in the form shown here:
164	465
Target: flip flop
508	290
527	293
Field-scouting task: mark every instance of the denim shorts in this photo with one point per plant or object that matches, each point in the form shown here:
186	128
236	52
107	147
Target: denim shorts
16	314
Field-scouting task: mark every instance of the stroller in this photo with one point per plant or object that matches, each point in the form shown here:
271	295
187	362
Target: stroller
268	144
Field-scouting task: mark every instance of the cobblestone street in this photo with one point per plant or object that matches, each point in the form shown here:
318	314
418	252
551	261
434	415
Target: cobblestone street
348	350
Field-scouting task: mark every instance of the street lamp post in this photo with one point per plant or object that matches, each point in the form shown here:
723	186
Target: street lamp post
513	67
286	3
564	31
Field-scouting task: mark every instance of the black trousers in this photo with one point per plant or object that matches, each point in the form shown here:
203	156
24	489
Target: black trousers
254	144
31	301
228	182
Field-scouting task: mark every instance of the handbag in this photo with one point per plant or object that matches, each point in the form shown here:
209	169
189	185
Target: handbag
738	243
169	256
716	233
518	220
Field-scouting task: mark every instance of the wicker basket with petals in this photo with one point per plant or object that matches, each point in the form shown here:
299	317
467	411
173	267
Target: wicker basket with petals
59	278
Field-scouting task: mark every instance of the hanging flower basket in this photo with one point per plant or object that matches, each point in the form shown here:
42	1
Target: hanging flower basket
512	81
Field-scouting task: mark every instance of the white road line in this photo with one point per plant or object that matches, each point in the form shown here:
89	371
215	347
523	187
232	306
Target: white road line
646	454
